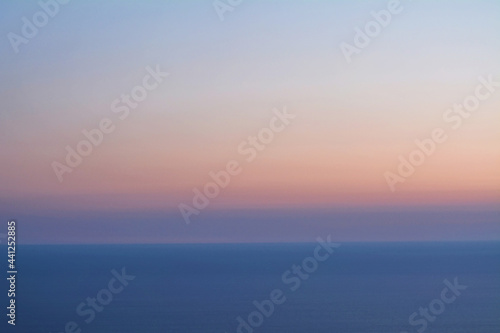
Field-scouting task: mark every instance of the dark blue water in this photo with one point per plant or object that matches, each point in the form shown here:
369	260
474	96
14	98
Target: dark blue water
204	288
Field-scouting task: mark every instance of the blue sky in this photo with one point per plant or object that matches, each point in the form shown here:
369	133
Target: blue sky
353	120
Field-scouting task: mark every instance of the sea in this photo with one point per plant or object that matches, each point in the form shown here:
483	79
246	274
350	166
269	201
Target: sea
286	288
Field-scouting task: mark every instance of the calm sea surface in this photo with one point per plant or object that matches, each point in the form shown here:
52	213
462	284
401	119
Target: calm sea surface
204	288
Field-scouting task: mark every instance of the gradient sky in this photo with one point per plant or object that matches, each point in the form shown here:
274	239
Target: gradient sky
326	168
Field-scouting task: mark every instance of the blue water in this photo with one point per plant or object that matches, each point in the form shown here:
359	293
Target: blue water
204	288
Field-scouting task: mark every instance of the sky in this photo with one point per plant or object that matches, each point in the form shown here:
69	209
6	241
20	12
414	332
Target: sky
325	172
